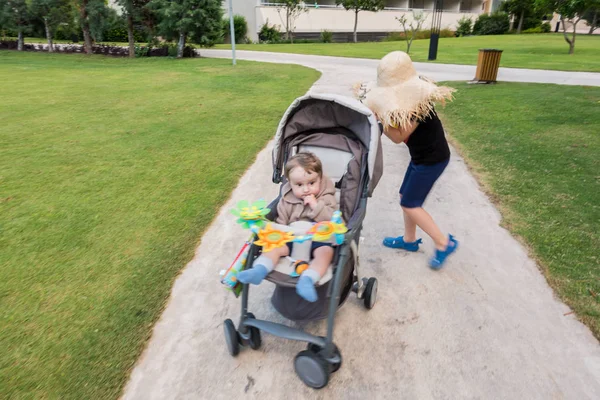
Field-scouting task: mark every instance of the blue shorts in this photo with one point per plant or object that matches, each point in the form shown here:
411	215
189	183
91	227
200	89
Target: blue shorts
313	247
418	181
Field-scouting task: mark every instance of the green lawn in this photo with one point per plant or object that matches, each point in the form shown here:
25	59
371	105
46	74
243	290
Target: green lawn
537	149
549	51
111	169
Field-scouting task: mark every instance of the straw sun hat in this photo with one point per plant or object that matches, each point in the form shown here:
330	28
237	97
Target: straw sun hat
400	95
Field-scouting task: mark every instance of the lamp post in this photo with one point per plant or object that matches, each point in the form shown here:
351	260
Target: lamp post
436	24
232	32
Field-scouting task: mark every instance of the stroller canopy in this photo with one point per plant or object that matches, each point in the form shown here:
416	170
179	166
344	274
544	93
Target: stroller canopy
317	112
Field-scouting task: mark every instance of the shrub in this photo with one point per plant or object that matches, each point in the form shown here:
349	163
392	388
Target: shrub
426	34
542	28
546	28
288	41
68	32
326	36
497	23
269	34
445	33
529	22
240	28
537	29
141	51
465	27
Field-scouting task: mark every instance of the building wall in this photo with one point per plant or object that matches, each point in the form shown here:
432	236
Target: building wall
340	20
247	8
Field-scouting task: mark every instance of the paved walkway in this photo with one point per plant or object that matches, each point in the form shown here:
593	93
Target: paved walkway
360	67
485	327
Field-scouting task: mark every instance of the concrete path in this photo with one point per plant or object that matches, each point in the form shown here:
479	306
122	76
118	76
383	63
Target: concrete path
485	327
438	72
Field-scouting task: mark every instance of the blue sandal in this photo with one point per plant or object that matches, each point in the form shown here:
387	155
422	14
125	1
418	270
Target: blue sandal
399	243
437	262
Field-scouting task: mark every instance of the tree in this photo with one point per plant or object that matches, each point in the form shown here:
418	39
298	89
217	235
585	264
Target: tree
293	9
92	18
518	9
570	11
136	11
198	19
16	16
129	9
53	13
592	16
415	26
358	6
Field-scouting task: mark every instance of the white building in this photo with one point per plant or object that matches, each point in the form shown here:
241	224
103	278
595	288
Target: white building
325	15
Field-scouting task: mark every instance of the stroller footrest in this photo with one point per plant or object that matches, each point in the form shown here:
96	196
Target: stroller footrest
284	331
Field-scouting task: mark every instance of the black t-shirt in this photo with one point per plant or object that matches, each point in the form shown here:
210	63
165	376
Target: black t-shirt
427	144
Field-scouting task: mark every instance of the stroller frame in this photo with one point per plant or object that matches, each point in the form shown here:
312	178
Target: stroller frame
321	113
322	357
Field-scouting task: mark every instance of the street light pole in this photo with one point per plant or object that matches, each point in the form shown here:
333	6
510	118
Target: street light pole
232	32
436	24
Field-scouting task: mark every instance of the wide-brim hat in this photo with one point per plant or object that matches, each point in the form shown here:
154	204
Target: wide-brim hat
400	95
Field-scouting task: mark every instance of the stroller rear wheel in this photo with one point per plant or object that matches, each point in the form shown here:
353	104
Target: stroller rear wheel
312	369
371	293
231	337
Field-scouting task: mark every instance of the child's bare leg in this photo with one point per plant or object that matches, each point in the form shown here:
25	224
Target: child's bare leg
263	265
305	287
425	222
410	229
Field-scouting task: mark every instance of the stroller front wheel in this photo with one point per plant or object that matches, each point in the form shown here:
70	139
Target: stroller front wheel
336	359
312	369
254	341
371	293
231	337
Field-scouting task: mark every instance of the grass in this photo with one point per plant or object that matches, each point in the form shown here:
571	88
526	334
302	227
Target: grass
537	150
547	51
111	169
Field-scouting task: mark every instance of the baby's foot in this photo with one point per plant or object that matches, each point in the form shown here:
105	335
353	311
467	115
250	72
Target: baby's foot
254	275
306	288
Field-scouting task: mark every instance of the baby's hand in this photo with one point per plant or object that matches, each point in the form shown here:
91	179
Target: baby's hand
311	200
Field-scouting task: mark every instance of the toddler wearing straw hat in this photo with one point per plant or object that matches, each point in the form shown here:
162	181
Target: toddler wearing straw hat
403	102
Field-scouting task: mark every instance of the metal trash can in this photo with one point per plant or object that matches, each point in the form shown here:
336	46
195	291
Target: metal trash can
487	65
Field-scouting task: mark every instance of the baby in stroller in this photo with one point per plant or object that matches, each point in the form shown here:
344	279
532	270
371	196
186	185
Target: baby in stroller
308	195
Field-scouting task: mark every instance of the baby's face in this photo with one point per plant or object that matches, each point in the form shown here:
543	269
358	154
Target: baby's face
304	183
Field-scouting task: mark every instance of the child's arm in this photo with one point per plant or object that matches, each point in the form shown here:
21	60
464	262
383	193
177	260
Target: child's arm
324	209
400	134
282	216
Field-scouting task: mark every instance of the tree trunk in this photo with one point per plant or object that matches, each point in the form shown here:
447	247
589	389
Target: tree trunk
567	39
48	36
85	27
181	45
572	44
594	22
20	40
520	26
355	25
130	34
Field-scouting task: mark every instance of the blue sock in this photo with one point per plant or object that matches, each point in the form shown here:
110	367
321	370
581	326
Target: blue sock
260	269
306	285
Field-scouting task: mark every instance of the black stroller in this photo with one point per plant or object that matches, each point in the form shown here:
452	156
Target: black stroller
345	135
